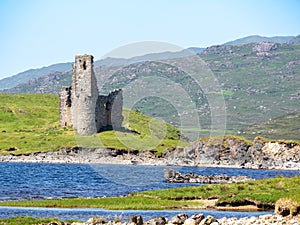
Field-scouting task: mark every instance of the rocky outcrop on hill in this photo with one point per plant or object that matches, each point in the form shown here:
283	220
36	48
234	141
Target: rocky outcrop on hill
236	152
264	48
218	50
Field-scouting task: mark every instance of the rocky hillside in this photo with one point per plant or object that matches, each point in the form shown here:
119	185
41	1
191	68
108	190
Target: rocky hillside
50	83
257	39
284	126
295	40
32	74
24	77
238	152
259	82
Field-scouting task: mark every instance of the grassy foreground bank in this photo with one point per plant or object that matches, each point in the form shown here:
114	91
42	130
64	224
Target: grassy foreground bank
27	220
263	191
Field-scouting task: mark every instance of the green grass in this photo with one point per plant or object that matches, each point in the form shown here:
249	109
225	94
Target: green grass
30	123
223	140
284	126
113	203
265	191
27	220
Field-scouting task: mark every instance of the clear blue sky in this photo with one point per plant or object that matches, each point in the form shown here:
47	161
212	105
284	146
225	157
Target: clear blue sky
36	33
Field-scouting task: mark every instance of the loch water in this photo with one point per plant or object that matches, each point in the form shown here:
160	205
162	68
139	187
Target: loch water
123	215
46	181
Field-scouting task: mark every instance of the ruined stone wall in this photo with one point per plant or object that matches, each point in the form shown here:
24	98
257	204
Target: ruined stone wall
65	106
101	113
109	111
81	106
116	99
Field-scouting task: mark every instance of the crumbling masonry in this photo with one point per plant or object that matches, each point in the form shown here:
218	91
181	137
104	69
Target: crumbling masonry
83	108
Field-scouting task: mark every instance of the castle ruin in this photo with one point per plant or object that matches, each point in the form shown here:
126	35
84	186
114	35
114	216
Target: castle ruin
82	107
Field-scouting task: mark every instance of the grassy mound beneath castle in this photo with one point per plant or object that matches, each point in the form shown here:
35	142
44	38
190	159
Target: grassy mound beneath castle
30	124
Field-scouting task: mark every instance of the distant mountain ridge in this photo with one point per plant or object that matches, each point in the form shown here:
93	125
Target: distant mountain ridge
28	75
148	57
32	74
257	38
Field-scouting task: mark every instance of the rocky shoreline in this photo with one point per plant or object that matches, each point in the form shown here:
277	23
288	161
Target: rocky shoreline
197	219
231	152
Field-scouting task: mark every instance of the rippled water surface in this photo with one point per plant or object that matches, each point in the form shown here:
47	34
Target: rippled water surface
124	215
39	181
33	180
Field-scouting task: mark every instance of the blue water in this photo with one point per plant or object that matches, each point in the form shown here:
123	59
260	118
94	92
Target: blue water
40	181
124	215
43	181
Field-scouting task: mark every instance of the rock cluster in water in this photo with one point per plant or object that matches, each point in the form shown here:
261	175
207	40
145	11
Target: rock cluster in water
197	219
174	176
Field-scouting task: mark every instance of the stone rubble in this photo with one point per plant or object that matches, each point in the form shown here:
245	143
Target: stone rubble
198	219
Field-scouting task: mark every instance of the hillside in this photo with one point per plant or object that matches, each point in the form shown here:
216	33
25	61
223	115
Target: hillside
28	75
257	86
48	84
257	39
30	123
30	82
259	82
295	40
33	74
284	126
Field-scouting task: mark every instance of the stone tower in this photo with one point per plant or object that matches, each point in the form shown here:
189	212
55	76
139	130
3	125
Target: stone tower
81	106
84	95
